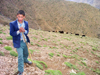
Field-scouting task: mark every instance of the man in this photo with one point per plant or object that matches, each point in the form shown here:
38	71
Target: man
18	27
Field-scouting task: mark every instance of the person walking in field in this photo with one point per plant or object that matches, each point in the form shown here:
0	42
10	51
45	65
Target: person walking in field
18	27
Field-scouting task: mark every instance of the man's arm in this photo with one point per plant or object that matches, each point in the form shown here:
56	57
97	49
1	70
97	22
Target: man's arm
27	29
12	32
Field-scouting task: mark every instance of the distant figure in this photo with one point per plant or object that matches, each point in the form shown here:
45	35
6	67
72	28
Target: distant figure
18	27
61	32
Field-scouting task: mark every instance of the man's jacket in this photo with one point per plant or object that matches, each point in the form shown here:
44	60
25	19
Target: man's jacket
13	32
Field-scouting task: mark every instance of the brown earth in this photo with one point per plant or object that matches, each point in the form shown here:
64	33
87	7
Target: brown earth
42	42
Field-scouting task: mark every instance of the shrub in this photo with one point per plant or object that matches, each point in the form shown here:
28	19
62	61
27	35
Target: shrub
8	48
44	45
53	48
31	43
0	38
98	71
70	65
38	45
92	52
13	53
80	73
1	42
9	38
53	72
77	48
34	38
39	64
65	56
31	51
58	54
94	48
4	33
83	63
45	39
1	53
51	54
97	62
0	32
69	39
80	64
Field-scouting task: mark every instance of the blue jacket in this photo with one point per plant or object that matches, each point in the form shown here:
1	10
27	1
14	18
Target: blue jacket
13	32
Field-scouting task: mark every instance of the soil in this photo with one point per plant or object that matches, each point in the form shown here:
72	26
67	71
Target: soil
78	49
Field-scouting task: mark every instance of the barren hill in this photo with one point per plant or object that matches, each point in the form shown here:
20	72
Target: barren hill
53	54
95	3
56	15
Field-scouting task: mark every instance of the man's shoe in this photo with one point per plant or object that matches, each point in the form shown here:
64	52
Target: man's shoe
20	73
29	62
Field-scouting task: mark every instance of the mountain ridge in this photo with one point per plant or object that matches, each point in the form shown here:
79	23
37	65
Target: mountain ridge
95	3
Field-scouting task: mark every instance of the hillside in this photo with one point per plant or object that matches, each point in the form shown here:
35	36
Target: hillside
62	53
95	3
56	15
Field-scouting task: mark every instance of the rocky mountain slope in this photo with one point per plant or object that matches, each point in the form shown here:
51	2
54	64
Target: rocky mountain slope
53	54
55	15
95	3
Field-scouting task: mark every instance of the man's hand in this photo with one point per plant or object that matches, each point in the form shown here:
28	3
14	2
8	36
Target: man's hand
22	29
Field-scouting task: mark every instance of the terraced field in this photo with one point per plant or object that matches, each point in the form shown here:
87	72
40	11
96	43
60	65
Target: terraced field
52	54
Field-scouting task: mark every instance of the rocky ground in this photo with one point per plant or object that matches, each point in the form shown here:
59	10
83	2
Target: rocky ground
54	49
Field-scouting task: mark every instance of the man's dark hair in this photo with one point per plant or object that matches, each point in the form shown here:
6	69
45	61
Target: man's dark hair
21	12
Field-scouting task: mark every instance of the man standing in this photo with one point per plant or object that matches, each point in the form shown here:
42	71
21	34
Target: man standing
18	27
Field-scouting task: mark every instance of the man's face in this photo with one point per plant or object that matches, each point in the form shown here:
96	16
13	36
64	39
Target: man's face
20	17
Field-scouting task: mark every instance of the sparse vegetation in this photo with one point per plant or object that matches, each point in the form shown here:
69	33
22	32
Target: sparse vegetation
83	63
53	48
59	55
79	73
8	48
31	43
45	39
69	39
31	51
65	56
97	62
1	42
97	71
80	64
53	72
9	38
13	53
92	52
1	53
39	64
38	45
44	45
0	38
94	48
0	32
34	38
51	54
70	65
